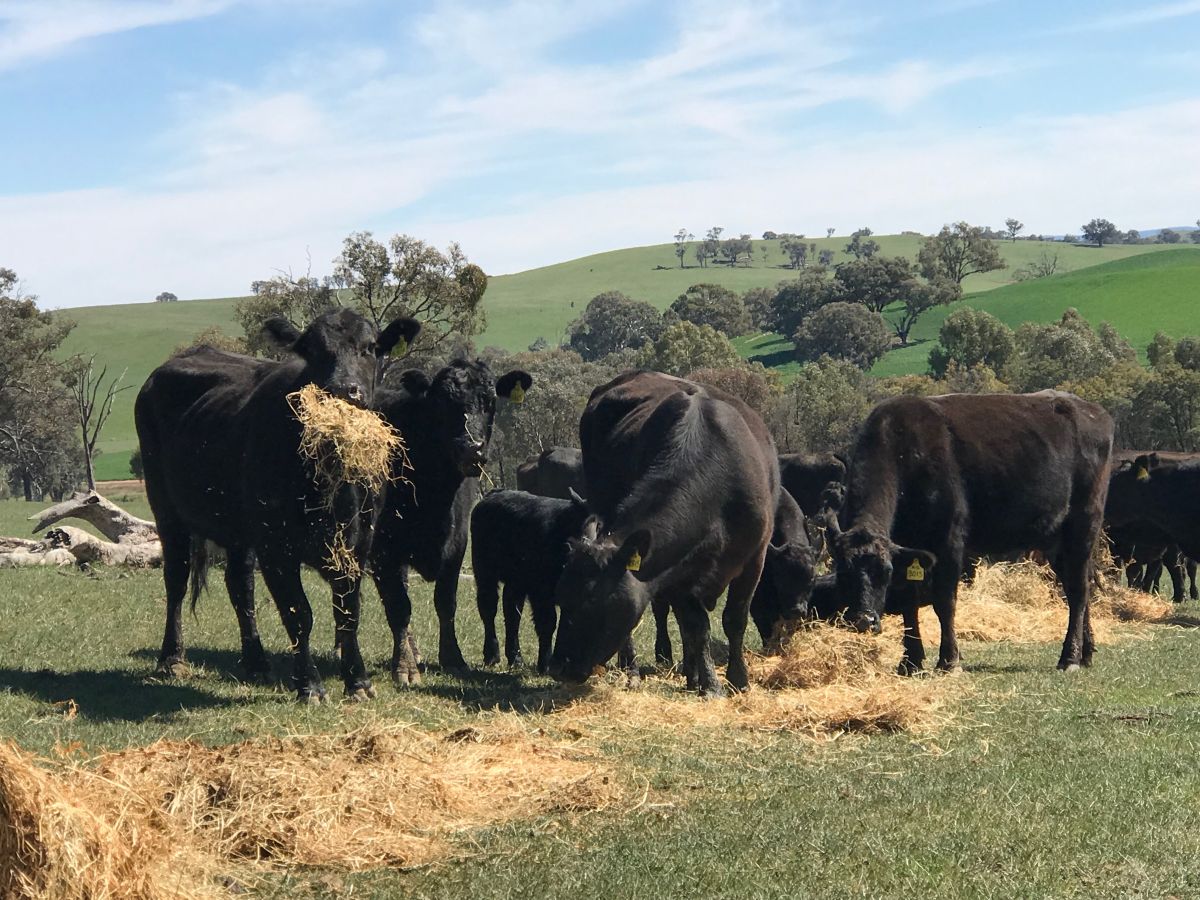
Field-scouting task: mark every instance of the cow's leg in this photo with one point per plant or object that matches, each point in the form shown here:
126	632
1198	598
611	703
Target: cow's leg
1190	565
946	575
176	549
445	601
697	656
239	581
392	583
545	618
627	661
1175	571
487	600
514	599
734	619
347	611
1133	575
1153	577
913	660
283	581
1074	569
664	654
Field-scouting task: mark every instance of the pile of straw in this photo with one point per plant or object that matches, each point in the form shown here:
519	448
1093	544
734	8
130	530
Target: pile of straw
161	821
345	444
1023	603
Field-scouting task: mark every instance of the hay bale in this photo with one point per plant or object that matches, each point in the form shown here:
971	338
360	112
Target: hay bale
344	443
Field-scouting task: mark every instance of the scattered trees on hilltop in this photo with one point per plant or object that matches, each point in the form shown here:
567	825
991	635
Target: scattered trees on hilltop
1012	227
166	297
1168	236
957	251
860	246
1100	232
682	238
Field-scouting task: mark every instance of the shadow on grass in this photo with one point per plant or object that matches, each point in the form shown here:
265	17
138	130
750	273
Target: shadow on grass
778	358
111	695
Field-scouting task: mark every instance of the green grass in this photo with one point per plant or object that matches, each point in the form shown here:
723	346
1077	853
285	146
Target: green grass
1043	785
1138	296
522	307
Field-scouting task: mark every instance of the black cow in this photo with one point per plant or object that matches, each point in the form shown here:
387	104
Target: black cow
962	475
554	472
1158	489
447	421
684	481
805	476
220	449
520	540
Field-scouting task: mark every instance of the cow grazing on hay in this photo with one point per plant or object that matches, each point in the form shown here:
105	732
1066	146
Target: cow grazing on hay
554	472
968	475
220	445
520	540
684	481
447	421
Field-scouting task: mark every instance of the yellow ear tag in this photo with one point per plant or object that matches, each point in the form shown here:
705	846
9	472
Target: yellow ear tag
517	394
400	349
1143	474
635	562
915	572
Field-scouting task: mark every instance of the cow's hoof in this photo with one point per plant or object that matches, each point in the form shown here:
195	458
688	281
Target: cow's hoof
174	667
257	674
360	694
633	678
713	692
909	669
311	698
516	662
955	669
1069	667
406	677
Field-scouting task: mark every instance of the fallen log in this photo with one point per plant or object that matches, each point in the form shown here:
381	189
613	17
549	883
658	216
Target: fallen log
103	515
131	541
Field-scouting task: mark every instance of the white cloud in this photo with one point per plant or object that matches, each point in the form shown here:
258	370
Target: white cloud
1140	15
34	29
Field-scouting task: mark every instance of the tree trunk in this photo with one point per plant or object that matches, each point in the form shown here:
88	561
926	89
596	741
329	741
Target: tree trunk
104	515
131	541
27	485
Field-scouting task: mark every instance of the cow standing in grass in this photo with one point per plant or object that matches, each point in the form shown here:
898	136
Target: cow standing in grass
520	540
1163	489
967	475
684	481
220	447
447	422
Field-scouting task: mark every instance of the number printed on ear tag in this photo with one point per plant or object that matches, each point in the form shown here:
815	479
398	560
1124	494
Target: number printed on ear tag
915	572
517	394
635	562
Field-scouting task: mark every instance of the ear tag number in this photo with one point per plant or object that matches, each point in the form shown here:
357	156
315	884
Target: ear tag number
517	394
915	572
400	349
635	562
1143	474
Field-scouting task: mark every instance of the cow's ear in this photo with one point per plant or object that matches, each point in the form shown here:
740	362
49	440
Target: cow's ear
575	498
280	332
397	337
415	382
910	565
633	551
513	385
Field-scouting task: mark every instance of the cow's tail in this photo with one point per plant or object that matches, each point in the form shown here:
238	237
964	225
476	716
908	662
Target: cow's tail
200	562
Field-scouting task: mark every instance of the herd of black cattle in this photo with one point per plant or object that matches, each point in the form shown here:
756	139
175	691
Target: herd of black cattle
686	500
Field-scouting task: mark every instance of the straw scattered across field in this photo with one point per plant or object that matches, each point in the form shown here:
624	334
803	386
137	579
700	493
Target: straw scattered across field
1022	603
164	820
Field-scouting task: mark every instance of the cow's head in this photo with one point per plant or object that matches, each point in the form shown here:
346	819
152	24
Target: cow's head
791	568
601	599
341	350
867	566
461	404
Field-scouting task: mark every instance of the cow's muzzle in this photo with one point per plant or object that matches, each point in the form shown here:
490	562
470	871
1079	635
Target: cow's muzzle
868	623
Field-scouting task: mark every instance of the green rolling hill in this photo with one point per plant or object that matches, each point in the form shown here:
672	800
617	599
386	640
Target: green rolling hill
541	302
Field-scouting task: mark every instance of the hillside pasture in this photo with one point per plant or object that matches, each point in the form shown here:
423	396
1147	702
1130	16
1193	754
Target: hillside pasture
1027	782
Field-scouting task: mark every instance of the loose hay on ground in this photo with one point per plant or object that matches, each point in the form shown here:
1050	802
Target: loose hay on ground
1023	603
159	821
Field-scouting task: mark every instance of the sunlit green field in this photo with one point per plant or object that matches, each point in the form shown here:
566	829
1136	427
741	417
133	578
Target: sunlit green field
1040	785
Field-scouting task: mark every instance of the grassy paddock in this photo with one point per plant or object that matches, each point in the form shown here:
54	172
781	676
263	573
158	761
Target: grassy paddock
1041	785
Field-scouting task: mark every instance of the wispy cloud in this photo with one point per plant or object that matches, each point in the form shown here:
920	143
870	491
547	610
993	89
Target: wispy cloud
35	29
1138	15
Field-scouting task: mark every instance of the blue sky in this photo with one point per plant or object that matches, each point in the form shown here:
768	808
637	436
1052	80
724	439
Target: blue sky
196	145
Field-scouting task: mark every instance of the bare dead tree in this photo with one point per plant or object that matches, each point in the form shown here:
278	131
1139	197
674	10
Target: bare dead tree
93	404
